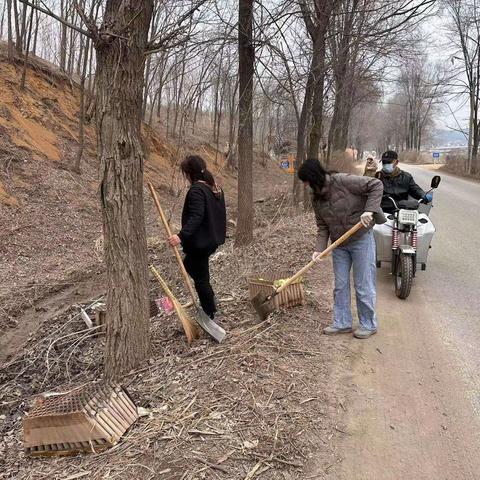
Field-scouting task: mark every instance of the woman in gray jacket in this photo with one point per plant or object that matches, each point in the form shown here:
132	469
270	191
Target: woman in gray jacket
340	201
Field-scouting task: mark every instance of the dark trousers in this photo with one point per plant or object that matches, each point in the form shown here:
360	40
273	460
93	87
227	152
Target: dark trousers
196	264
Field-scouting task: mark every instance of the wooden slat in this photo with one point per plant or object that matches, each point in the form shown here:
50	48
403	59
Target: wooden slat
129	404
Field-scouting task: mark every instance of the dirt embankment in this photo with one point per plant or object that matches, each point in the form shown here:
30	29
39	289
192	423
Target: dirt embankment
51	236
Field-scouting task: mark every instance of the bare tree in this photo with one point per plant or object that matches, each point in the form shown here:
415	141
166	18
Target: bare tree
246	60
421	85
121	44
81	128
466	29
27	50
10	29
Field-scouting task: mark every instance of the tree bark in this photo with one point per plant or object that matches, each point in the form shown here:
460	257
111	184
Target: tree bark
71	48
146	88
18	34
81	126
246	56
27	48
35	35
301	137
120	69
318	73
232	142
10	47
63	38
21	27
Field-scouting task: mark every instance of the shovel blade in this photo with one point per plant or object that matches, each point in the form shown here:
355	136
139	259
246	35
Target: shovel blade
262	305
209	326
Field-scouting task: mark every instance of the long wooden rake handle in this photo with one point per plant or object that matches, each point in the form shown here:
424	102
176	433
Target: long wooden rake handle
326	252
175	249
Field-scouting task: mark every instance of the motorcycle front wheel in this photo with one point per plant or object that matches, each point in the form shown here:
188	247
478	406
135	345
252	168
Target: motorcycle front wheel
404	276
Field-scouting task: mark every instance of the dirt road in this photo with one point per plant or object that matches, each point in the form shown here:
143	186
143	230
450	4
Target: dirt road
413	410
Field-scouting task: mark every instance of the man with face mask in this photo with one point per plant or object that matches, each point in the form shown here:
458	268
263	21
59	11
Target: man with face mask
397	183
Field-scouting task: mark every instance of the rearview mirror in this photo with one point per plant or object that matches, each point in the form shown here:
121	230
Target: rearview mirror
436	181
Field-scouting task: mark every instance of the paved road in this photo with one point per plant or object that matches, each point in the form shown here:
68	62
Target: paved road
414	411
452	283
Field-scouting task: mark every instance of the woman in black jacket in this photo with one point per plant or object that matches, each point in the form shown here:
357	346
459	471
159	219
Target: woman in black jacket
204	225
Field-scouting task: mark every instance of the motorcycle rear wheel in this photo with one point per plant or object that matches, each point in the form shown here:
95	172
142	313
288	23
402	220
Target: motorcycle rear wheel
404	276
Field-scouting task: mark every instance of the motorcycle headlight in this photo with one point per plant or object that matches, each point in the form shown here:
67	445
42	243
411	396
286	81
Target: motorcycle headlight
408	217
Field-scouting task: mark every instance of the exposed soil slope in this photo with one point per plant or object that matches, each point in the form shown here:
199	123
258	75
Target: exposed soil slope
50	234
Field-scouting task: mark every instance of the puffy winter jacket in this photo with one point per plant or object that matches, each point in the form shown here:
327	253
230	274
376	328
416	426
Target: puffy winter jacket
341	202
399	185
204	222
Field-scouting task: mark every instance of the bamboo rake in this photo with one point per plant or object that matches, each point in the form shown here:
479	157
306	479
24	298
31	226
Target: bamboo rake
190	327
322	255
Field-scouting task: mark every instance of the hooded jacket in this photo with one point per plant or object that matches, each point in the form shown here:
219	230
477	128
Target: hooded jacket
340	204
204	218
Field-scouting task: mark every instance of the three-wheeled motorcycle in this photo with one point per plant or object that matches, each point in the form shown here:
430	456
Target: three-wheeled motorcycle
405	239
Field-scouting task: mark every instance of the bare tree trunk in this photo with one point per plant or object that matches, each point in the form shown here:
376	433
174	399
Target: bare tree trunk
232	149
81	126
120	69
2	21
90	74
318	72
167	120
159	100
146	88
91	89
63	38
35	35
301	137
18	33
10	29
20	27
27	48
219	115
179	91
154	101
195	113
215	109
246	53
71	49
79	62
475	166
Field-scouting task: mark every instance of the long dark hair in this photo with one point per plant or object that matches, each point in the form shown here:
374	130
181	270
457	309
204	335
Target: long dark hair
312	172
195	169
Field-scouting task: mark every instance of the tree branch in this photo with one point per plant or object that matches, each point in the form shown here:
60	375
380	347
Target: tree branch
48	12
87	20
158	44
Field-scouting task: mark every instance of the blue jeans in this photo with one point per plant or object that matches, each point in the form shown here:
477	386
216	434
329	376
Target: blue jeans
361	254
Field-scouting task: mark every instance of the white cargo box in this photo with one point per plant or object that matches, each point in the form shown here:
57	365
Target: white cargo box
383	239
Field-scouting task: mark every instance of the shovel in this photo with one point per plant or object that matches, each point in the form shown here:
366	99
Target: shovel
205	322
262	303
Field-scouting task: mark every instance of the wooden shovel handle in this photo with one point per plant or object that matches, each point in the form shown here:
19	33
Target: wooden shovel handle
326	252
175	249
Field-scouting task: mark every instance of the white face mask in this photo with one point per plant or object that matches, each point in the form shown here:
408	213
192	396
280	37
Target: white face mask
388	168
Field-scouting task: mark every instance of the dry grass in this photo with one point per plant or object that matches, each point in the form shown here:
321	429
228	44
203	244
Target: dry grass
412	156
342	162
263	404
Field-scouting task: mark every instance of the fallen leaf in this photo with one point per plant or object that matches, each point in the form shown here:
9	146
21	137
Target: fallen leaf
250	445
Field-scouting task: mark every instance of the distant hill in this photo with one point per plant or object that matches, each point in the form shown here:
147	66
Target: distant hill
447	137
